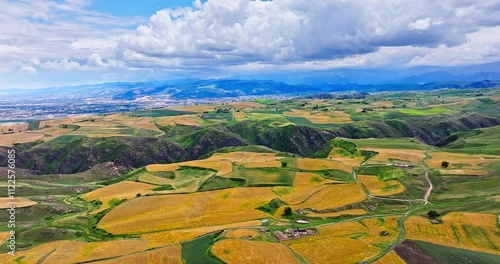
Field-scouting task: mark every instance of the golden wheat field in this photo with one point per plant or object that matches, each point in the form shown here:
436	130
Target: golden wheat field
159	239
321	117
265	164
461	163
346	242
336	214
320	164
382	103
157	213
300	195
395	155
309	179
130	121
196	108
381	188
8	140
390	258
20	202
152	179
471	231
244	157
351	161
239	251
121	190
32	255
166	255
75	251
334	196
184	120
242	233
4	236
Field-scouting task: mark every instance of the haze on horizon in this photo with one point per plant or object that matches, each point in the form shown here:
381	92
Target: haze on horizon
67	42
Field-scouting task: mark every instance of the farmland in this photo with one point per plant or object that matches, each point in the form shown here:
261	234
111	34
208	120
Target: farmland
219	183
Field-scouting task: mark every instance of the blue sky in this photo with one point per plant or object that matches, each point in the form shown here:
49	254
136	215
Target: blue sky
66	42
136	8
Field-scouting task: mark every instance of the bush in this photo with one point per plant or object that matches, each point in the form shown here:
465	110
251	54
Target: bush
445	164
432	214
138	195
288	211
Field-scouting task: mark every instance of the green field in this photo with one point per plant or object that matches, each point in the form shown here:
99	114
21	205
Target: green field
196	251
457	256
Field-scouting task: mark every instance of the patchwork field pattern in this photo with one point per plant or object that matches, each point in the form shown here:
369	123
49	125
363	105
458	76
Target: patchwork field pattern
474	231
250	252
346	242
381	188
158	213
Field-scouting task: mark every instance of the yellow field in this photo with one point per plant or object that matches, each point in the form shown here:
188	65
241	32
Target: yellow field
300	195
319	164
239	116
346	242
243	105
388	155
162	167
471	164
334	196
390	258
160	239
381	188
130	121
21	202
4	236
156	213
244	157
76	251
196	108
8	140
308	179
351	161
251	252
317	117
222	167
463	172
185	120
382	104
32	255
265	164
166	255
336	214
13	127
121	190
149	178
471	231
242	233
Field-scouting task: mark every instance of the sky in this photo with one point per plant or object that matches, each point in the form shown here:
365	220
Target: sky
68	42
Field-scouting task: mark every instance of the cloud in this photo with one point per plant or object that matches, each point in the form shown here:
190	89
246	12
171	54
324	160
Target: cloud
61	65
421	24
227	33
28	69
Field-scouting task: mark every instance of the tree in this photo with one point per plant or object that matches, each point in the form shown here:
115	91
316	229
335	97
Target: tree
288	211
445	164
138	195
284	164
432	214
